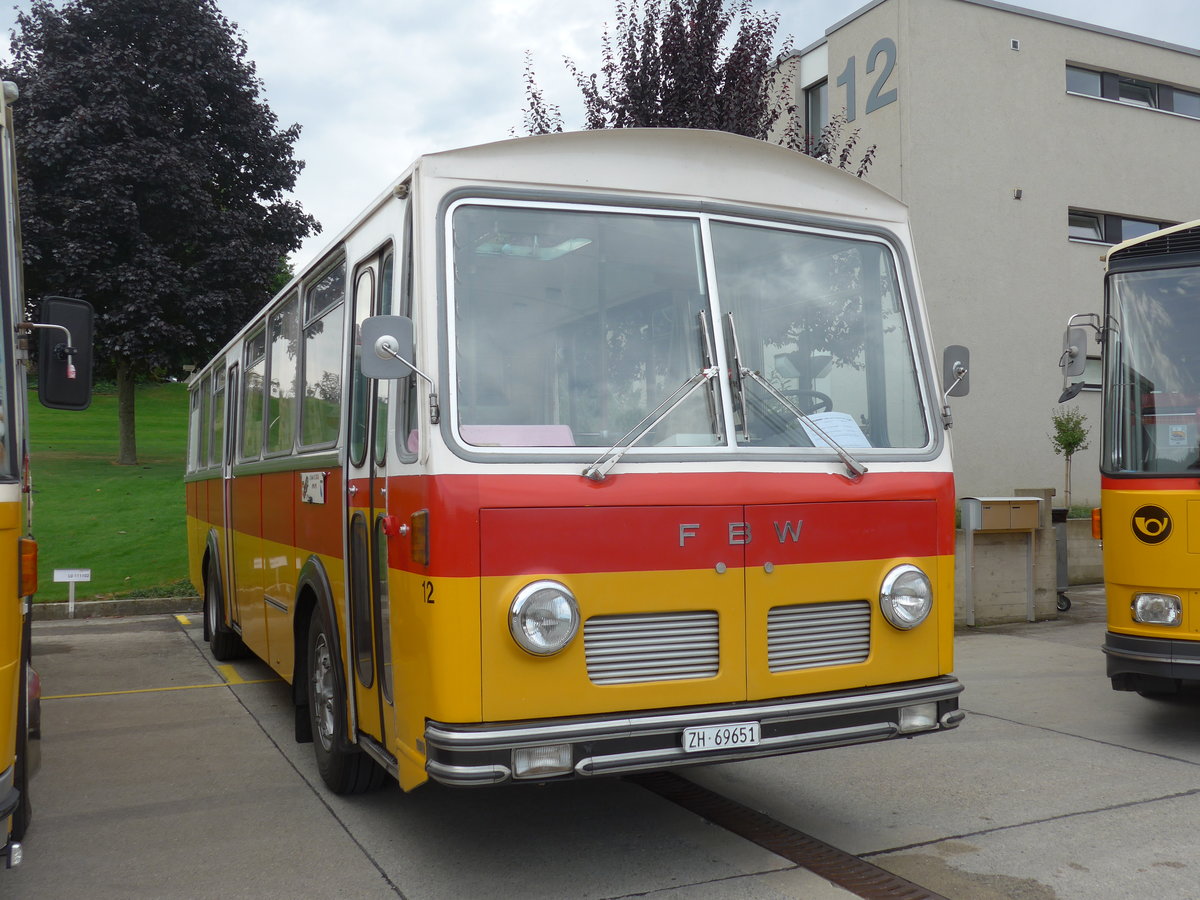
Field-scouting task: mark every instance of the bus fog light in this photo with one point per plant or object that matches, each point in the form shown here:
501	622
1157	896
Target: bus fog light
921	717
543	618
1157	609
906	597
542	762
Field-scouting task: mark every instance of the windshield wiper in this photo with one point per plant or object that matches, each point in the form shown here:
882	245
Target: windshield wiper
740	373
610	457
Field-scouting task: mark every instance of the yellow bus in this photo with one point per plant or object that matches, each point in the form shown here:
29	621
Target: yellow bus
64	339
587	454
1150	457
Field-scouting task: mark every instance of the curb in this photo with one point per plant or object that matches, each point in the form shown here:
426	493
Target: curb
90	609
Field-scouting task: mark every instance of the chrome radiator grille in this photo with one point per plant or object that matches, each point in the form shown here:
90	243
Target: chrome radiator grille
818	634
653	647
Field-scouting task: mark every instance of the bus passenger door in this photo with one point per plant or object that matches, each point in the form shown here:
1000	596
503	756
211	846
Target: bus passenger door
366	560
232	405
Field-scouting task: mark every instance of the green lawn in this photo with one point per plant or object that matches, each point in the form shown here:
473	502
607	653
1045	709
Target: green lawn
125	523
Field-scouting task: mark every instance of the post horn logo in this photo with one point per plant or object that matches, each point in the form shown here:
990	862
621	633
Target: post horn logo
1151	524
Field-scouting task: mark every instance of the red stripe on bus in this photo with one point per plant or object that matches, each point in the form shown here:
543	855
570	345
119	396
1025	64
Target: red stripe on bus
623	539
1174	483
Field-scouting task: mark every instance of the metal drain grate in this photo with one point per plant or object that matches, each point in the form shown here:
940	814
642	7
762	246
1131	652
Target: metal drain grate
855	875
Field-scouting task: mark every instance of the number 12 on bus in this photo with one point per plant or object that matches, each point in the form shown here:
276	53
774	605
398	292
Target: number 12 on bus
587	454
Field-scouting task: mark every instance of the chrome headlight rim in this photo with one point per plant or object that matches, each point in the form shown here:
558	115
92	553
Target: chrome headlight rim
1157	608
903	585
526	603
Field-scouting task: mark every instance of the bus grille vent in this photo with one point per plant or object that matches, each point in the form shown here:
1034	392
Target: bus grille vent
818	634
653	647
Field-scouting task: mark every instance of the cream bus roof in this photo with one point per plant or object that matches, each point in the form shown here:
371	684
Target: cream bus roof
1120	249
667	162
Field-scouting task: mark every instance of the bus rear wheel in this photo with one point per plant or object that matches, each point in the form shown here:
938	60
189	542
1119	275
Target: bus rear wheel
225	643
344	769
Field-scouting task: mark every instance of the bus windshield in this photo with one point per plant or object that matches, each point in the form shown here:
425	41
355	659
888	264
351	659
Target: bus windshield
571	326
1152	374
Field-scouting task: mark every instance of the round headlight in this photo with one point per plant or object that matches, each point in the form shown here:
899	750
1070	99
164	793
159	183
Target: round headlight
543	617
906	597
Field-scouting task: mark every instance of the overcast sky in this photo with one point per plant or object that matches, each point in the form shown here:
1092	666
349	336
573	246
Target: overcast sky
376	83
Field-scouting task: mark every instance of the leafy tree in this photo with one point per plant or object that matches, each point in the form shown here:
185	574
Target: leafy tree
675	68
1070	436
152	177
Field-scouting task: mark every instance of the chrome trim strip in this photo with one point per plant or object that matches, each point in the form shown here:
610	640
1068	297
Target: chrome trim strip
502	737
627	762
467	775
1167	658
375	750
271	601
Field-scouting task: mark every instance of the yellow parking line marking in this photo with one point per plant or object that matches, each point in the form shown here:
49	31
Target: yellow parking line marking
182	619
177	687
229	673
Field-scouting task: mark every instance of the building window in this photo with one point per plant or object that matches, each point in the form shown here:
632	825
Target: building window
1085	226
1083	81
816	112
1103	228
1186	103
1139	93
1133	91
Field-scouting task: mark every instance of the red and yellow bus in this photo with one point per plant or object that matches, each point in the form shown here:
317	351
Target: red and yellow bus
64	353
587	454
1149	515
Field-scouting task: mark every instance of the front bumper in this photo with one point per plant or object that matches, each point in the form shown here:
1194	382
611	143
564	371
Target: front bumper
481	754
1132	661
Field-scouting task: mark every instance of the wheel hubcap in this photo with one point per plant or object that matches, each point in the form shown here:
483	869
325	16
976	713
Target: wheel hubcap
322	692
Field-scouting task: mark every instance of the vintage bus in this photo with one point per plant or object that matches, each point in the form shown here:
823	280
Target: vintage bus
586	454
1149	516
64	342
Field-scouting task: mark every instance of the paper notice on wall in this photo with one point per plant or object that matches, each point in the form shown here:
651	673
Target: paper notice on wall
840	427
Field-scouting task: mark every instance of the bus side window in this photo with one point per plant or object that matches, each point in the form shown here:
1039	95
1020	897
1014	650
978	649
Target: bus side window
252	396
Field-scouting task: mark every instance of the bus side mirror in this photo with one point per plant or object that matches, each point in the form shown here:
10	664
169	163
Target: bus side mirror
65	354
1073	361
956	364
1074	355
387	346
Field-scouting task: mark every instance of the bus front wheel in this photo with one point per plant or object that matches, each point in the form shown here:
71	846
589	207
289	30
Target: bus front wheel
344	769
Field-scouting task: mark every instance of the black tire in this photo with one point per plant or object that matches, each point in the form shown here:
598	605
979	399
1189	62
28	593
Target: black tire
23	814
1064	603
344	768
223	641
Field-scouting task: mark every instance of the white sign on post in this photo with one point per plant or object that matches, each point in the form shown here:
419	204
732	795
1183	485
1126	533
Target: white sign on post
71	576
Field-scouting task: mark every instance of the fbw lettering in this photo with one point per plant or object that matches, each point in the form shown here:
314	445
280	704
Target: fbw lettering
740	533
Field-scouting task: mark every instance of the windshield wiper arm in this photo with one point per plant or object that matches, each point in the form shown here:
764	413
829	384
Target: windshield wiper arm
610	457
857	469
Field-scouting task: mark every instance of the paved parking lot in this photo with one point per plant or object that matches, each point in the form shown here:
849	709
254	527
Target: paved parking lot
164	775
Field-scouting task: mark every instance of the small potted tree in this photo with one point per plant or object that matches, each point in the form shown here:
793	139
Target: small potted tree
1070	435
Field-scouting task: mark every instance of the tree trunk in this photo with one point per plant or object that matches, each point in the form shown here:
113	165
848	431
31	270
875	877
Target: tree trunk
1068	497
127	454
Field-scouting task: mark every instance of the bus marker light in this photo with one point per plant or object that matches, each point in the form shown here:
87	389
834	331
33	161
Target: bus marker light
1157	609
1097	525
542	762
921	717
29	567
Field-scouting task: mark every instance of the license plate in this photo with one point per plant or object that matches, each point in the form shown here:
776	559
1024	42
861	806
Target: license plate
720	737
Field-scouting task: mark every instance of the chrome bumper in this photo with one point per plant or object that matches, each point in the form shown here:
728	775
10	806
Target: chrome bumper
472	755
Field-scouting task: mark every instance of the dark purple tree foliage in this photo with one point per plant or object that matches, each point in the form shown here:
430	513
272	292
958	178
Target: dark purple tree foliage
695	64
152	178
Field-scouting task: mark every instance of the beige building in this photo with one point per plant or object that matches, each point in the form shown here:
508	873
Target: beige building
1024	144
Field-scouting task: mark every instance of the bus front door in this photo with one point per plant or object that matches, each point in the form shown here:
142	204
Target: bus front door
366	576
